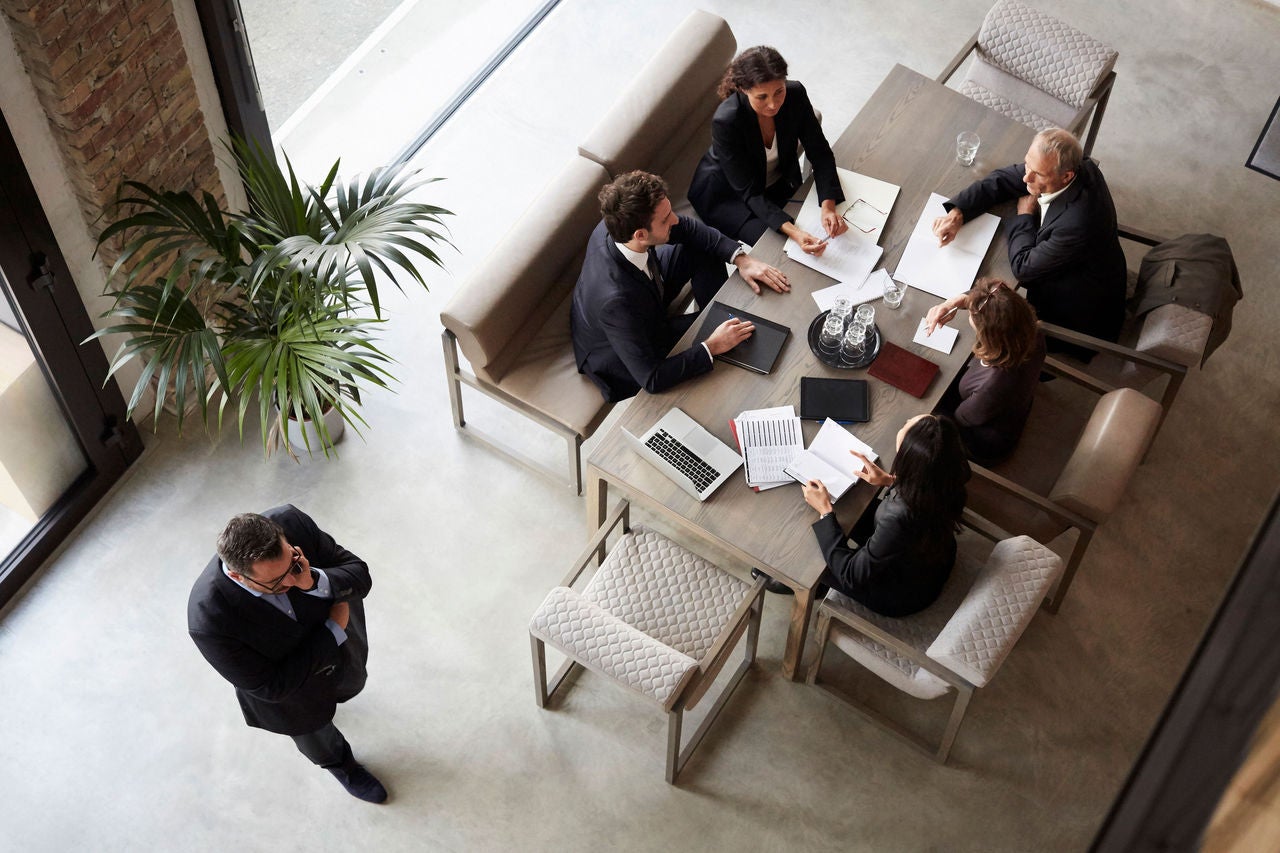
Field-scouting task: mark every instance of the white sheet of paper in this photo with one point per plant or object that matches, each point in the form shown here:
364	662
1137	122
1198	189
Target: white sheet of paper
943	338
867	218
949	270
828	458
872	287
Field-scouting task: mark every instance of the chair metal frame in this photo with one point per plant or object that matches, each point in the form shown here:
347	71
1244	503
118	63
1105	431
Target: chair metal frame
1096	103
457	376
746	619
940	750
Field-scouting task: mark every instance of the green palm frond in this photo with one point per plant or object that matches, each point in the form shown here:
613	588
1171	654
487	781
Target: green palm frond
270	302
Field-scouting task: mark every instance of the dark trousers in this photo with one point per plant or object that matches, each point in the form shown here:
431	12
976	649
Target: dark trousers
326	747
680	264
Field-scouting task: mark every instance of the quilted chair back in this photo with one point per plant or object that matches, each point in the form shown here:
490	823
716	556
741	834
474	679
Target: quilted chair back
1045	52
999	606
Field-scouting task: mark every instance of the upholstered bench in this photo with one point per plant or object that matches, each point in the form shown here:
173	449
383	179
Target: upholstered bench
510	318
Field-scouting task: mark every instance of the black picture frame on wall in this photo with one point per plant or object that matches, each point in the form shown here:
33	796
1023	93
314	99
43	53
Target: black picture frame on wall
1269	143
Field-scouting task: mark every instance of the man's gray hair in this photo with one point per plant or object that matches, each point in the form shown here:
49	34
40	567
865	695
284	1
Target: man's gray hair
248	538
1063	146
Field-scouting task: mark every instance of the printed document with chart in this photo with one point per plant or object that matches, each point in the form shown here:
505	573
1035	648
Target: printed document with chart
948	270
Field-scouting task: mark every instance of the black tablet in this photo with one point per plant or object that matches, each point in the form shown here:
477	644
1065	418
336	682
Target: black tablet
843	400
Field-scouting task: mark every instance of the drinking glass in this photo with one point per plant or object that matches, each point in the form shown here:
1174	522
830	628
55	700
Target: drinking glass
854	344
893	293
842	308
832	332
866	315
967	147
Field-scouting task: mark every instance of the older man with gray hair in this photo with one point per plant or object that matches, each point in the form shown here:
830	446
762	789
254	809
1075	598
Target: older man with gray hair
1063	244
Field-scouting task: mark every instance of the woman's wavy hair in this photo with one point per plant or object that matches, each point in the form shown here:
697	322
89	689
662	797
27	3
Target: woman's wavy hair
1005	322
755	65
931	468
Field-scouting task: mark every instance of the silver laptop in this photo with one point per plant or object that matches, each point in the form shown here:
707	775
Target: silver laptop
679	447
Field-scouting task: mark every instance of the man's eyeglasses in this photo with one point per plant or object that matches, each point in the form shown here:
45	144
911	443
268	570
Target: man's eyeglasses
295	568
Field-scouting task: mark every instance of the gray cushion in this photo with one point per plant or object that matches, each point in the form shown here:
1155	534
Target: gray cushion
1045	52
600	641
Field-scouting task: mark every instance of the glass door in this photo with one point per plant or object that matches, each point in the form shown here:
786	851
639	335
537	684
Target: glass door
64	437
39	455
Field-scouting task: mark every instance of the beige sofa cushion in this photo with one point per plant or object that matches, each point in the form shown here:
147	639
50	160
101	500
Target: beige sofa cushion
662	121
544	375
504	304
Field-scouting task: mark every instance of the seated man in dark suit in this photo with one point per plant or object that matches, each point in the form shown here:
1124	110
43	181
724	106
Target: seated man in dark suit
638	259
279	613
1063	244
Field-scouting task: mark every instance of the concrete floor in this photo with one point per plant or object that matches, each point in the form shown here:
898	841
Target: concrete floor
119	737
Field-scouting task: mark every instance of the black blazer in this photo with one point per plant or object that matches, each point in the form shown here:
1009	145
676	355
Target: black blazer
732	173
619	319
1071	264
899	570
289	675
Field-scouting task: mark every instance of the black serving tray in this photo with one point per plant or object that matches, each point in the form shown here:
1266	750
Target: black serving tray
834	359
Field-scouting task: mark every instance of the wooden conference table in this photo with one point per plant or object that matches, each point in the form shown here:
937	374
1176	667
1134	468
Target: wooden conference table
905	135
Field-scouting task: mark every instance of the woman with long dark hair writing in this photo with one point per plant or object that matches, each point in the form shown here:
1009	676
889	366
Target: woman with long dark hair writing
908	546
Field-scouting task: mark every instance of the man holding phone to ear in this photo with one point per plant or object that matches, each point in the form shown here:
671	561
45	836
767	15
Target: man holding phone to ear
279	613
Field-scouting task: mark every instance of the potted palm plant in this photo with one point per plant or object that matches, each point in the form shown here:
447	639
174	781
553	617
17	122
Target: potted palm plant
277	305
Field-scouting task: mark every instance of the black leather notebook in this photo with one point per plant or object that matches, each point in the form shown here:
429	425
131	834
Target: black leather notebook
843	400
758	352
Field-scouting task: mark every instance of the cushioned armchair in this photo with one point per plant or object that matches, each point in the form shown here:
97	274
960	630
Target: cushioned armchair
956	644
1063	475
1162	345
1037	70
655	618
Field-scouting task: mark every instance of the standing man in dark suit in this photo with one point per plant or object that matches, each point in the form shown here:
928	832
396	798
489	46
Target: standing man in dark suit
638	258
1063	244
279	613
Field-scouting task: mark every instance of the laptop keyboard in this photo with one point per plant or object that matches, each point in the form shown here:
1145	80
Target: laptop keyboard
684	461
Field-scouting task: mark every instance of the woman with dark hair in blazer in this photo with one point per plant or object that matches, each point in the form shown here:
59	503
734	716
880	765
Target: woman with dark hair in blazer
752	168
909	545
991	399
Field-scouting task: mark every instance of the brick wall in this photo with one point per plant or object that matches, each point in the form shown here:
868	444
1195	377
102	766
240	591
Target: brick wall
114	82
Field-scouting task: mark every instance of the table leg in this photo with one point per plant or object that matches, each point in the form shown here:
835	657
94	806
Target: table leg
597	505
801	609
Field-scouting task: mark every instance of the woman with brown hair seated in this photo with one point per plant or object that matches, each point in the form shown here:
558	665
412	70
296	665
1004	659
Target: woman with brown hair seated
753	169
908	546
991	398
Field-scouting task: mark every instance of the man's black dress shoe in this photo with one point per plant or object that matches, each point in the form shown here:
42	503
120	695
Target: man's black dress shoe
772	585
360	783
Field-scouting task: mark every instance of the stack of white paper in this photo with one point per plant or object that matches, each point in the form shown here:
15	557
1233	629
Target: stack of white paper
845	259
866	206
948	270
850	257
828	458
768	439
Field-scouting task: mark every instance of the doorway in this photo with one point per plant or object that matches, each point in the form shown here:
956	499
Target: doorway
64	437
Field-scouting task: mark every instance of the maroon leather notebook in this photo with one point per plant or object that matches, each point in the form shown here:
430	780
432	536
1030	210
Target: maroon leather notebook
903	369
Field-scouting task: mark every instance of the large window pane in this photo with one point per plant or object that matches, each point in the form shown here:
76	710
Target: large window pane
389	70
